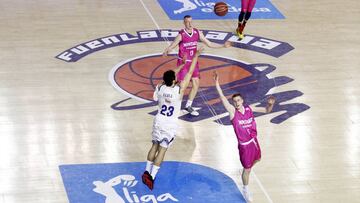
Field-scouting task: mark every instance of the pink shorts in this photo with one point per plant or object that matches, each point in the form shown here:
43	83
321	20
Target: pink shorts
249	153
247	5
182	73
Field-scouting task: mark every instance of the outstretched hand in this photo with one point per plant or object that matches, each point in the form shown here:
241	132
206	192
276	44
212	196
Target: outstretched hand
166	52
199	51
228	44
216	76
271	100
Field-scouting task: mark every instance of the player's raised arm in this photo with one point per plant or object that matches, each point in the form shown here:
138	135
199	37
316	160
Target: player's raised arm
211	44
185	82
178	69
155	95
172	45
269	106
230	108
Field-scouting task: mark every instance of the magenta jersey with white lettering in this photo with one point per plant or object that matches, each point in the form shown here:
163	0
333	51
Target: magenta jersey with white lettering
244	125
188	43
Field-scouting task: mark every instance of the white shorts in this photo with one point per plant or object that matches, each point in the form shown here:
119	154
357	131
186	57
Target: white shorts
164	134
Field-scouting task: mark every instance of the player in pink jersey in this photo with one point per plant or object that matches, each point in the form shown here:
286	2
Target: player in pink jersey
246	9
187	39
244	124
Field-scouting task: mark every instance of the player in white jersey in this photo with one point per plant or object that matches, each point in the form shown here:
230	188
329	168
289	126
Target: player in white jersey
169	95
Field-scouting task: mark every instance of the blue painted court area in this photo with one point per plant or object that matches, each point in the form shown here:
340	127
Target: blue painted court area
203	9
121	183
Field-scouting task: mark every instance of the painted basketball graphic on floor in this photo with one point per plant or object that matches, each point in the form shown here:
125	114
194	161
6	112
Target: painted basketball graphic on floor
138	77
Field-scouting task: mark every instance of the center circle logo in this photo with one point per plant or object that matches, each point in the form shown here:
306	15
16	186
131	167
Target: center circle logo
139	76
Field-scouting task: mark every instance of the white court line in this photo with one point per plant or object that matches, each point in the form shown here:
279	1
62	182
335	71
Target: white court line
158	27
262	187
152	18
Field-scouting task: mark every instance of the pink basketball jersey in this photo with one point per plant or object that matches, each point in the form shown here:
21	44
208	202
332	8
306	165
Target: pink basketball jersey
244	125
188	44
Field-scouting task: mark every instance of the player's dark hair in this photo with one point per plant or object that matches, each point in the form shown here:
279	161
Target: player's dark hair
169	77
237	95
187	16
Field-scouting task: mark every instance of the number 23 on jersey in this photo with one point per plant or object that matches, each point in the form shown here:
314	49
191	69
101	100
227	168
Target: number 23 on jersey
167	110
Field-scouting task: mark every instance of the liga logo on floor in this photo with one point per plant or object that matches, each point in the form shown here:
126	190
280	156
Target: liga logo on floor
204	9
137	77
121	183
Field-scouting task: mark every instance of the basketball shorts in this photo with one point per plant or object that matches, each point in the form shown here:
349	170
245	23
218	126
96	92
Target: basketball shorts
182	73
164	133
249	152
247	5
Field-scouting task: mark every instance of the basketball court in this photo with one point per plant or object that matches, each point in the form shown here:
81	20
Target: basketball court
76	113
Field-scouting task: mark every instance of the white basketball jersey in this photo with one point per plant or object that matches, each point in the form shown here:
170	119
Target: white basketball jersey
169	103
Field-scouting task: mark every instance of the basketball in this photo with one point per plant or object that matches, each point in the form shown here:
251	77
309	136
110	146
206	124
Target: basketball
220	8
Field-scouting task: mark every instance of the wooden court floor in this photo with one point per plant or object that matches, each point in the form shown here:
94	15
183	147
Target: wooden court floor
53	112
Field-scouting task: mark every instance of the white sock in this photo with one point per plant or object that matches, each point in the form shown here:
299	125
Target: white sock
154	171
188	103
247	194
149	165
